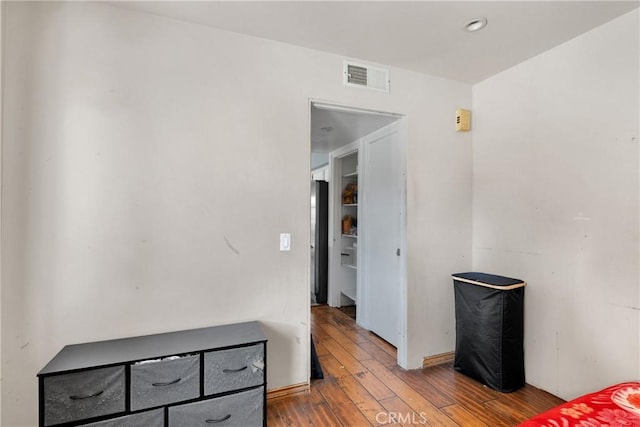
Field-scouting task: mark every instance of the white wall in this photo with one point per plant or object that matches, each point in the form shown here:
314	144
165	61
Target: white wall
319	160
438	216
555	187
2	6
149	166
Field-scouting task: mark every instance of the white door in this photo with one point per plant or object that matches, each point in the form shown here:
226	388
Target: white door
383	207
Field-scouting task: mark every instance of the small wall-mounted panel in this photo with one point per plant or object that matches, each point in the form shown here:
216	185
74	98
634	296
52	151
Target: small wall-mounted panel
463	120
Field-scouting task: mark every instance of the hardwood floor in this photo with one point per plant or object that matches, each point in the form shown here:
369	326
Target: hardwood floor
363	386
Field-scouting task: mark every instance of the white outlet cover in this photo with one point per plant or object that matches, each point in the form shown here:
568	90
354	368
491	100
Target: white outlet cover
285	242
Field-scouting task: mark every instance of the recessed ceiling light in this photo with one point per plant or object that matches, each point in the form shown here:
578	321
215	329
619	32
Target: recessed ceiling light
326	129
475	24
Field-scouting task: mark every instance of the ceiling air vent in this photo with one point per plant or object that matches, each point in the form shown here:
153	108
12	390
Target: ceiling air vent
366	76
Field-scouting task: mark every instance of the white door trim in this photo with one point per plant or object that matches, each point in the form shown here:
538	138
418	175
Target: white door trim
333	291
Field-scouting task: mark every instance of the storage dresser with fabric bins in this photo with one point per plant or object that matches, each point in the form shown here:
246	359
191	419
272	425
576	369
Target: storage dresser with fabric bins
208	376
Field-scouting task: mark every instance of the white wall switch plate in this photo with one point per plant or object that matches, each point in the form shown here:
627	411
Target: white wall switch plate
285	242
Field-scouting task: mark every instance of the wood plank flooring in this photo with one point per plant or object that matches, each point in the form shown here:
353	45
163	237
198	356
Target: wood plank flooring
363	386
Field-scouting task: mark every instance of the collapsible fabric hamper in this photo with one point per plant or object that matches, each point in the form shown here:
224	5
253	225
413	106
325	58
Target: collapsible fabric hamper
490	329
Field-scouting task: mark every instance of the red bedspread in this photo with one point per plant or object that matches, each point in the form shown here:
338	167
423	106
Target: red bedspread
615	406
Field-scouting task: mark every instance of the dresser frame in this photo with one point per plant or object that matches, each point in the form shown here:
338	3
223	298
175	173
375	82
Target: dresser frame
129	351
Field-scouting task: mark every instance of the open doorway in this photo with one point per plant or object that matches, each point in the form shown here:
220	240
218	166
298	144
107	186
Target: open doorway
360	154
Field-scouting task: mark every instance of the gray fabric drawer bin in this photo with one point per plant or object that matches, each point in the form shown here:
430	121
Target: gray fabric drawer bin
243	409
233	369
166	381
153	418
81	395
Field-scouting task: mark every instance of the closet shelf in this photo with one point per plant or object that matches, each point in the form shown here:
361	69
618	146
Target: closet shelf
350	293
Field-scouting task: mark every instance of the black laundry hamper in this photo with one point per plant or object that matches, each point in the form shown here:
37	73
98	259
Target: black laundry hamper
490	329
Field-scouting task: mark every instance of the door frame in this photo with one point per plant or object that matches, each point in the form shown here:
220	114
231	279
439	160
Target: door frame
333	294
335	297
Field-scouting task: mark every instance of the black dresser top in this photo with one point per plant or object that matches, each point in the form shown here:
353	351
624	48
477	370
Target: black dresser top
112	352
